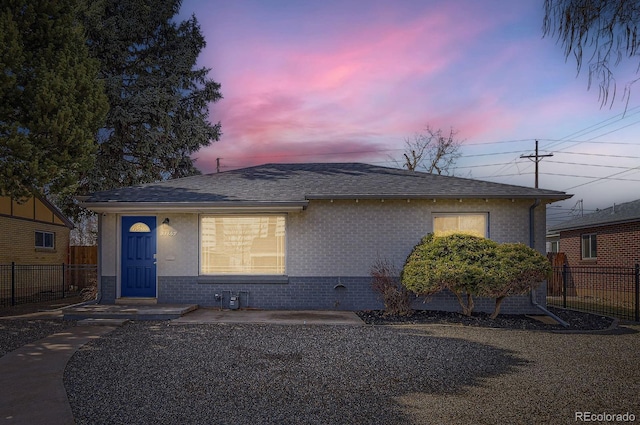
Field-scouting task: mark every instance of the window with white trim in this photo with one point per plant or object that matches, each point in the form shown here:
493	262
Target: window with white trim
589	246
472	223
242	244
45	240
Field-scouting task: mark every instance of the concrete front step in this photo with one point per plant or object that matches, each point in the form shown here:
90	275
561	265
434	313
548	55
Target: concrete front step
102	322
130	312
136	301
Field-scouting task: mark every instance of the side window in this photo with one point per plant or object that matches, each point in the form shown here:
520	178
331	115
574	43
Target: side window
589	247
45	240
472	223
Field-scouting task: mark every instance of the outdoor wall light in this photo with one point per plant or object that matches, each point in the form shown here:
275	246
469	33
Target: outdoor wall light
165	221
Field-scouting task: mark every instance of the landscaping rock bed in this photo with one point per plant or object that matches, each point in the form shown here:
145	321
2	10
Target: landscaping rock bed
155	373
15	333
578	321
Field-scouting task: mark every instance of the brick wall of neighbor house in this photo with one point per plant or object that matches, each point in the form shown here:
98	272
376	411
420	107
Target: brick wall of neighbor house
617	245
330	249
17	243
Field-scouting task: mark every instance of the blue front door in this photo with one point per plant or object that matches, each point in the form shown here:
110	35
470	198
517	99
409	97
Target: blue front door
138	257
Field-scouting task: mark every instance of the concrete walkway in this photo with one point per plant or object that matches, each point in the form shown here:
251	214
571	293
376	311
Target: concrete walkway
31	378
280	317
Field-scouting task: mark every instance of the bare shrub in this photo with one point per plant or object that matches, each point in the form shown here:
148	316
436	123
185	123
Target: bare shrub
386	283
90	292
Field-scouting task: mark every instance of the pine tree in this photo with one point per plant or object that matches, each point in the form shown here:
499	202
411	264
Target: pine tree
52	103
158	98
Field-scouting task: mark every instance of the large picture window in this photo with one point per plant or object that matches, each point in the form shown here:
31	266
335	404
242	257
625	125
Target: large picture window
589	247
242	244
472	223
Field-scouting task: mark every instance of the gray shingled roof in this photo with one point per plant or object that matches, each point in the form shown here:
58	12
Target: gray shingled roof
621	213
281	183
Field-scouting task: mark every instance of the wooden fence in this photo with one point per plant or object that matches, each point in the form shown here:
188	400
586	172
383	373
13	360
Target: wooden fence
83	255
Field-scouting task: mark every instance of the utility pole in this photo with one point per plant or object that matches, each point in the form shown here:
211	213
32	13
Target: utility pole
218	165
536	158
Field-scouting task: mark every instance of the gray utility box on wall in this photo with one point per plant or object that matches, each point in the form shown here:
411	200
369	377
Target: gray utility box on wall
234	301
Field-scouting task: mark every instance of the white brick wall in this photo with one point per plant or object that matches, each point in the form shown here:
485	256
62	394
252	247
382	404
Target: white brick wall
344	237
340	238
178	245
108	240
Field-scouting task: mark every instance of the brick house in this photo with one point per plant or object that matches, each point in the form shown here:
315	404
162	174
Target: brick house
609	237
297	236
33	232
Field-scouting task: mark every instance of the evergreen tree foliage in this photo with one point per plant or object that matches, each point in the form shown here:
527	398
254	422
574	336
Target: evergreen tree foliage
471	266
158	98
458	262
52	104
518	270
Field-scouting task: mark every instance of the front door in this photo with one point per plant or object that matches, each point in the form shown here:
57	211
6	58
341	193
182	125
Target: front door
138	257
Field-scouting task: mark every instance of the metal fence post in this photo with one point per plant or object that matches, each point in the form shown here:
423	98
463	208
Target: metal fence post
63	282
637	308
13	283
564	286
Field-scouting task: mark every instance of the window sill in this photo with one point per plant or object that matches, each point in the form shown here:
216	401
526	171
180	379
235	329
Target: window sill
50	250
233	279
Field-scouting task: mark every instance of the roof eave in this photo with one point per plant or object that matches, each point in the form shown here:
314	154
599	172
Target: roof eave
68	223
196	207
591	225
551	197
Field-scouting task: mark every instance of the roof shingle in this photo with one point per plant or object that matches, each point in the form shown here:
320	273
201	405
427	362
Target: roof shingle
629	211
273	183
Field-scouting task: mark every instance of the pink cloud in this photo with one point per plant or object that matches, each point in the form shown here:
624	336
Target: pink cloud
345	150
370	80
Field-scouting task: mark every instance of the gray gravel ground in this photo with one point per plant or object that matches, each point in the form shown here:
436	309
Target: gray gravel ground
14	333
154	373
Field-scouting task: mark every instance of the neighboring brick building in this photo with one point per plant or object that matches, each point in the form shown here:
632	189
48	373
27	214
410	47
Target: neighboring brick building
610	237
298	236
33	232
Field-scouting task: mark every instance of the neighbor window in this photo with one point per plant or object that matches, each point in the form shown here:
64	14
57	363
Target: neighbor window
45	240
475	224
242	244
589	247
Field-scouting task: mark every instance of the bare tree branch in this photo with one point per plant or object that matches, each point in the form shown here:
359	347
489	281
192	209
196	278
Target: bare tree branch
431	151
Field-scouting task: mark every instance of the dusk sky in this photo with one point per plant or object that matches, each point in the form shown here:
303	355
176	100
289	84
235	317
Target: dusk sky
350	80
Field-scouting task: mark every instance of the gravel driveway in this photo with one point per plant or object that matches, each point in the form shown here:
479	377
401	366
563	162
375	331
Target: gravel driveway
155	373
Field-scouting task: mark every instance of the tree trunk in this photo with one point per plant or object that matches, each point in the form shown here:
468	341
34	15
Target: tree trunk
470	305
467	306
496	310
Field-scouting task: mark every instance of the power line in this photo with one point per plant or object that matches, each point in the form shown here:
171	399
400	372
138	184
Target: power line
610	177
602	154
588	165
594	177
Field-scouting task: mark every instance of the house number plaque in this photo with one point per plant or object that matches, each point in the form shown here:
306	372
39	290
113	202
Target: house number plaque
168	233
